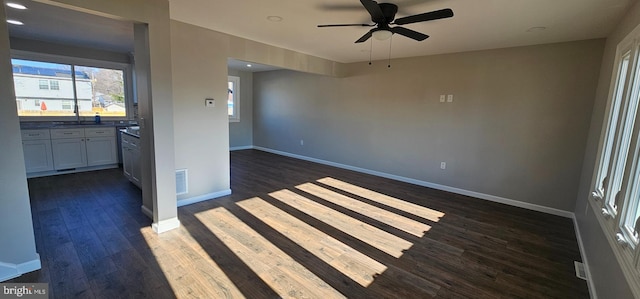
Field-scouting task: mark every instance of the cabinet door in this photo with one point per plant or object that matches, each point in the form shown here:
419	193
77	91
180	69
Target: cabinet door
37	155
101	151
127	162
136	167
69	153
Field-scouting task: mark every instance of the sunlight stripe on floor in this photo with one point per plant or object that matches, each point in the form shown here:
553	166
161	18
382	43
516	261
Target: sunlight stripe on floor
398	221
187	267
364	232
393	202
282	273
355	265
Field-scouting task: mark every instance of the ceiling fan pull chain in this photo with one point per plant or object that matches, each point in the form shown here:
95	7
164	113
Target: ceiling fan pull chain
370	50
390	40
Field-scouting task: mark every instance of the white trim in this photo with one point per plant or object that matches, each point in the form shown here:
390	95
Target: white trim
626	265
208	196
585	261
10	271
165	225
507	201
75	170
239	148
146	211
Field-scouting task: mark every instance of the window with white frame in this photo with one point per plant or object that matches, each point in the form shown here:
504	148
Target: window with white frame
233	98
65	88
616	181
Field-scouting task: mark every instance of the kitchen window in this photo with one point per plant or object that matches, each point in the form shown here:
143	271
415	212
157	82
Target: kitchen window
233	98
616	182
49	87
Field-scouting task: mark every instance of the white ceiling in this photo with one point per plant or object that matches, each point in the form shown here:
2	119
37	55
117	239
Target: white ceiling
477	25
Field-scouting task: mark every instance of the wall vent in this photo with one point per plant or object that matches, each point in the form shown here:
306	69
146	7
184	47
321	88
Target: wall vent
580	272
181	182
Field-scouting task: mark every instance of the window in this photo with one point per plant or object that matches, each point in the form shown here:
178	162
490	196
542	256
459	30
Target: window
616	182
233	100
54	85
67	105
69	90
44	84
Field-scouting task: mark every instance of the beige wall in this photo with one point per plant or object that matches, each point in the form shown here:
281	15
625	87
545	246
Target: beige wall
199	60
199	65
516	129
608	278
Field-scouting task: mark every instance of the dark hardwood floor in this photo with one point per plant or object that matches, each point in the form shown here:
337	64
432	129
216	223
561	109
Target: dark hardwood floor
297	229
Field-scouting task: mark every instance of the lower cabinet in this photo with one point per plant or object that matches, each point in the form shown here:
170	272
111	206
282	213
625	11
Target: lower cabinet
37	155
69	153
69	149
101	150
131	165
36	145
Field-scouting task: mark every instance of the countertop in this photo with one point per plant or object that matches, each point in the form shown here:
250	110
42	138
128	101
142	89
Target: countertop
132	131
71	125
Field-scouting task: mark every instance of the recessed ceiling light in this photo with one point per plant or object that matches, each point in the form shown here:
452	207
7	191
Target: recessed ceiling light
274	18
15	22
16	5
248	65
537	28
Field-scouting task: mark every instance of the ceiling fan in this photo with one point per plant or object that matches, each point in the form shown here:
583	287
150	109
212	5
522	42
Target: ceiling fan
383	15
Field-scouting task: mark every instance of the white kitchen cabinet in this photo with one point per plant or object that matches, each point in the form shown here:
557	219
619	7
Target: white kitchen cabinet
69	153
82	147
131	165
36	145
102	148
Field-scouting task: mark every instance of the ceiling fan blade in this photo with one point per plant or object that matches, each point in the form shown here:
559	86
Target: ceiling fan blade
365	37
409	33
427	16
374	10
344	25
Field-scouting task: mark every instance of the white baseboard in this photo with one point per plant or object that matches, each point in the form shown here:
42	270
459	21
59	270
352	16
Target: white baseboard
192	200
238	148
165	225
146	211
590	285
10	271
488	197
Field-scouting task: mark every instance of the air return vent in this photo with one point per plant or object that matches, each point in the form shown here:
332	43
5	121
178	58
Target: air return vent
580	272
181	182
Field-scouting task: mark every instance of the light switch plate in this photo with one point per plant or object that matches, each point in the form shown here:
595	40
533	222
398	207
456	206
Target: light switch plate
442	98
209	103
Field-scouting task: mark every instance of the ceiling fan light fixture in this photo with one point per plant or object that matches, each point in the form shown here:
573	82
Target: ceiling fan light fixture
382	34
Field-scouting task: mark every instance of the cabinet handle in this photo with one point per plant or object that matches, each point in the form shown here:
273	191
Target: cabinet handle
87	139
34	134
99	132
68	133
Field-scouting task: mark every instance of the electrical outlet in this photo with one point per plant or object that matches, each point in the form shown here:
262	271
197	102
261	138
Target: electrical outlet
442	98
209	102
443	165
450	98
301	142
